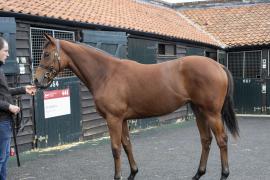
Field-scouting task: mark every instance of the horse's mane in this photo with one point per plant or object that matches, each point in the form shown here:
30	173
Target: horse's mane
89	46
83	44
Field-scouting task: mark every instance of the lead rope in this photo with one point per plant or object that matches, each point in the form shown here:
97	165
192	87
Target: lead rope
13	123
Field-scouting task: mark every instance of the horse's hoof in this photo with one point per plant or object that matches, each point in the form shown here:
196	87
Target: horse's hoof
117	178
224	175
131	177
198	175
133	174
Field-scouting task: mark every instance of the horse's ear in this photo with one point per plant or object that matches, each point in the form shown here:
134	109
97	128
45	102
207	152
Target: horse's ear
49	38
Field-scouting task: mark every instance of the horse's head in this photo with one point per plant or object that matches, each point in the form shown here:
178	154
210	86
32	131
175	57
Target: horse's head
50	64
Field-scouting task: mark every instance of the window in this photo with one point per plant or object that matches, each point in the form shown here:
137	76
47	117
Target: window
253	64
167	49
235	64
212	55
245	64
221	57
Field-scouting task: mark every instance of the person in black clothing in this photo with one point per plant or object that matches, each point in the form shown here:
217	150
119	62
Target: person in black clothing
7	109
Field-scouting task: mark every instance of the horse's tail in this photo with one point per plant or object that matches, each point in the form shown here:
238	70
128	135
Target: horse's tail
228	114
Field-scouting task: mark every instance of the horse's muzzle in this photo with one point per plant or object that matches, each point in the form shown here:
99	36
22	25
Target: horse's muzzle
41	86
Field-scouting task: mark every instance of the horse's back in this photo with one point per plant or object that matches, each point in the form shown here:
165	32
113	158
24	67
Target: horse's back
199	62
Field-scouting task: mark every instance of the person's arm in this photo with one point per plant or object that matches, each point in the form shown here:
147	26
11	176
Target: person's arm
17	91
5	106
29	89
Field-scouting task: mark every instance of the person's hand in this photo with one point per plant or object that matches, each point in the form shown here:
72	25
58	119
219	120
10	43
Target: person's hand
14	109
30	89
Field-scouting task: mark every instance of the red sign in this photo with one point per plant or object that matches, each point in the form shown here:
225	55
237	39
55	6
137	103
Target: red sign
56	94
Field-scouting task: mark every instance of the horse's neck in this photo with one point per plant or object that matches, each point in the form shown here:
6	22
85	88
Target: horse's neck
90	65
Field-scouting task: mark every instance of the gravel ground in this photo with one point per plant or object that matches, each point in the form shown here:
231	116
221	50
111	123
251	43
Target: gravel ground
168	152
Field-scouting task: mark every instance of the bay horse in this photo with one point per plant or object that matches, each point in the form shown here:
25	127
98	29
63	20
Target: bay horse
125	89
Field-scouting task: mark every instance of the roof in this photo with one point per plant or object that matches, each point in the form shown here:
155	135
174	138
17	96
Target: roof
125	14
235	26
226	27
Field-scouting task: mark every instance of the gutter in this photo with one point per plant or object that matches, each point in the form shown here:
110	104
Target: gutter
247	47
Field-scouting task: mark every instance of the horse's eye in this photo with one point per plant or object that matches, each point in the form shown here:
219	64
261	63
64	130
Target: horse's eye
46	54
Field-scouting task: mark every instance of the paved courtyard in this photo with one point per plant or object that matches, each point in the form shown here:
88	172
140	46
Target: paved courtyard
169	152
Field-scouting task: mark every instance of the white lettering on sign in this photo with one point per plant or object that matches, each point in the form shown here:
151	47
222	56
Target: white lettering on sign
56	103
54	84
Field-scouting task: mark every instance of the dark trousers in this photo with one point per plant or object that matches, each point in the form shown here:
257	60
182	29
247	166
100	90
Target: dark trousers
5	137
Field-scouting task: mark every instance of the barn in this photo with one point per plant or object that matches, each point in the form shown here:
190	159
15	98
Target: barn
130	29
243	30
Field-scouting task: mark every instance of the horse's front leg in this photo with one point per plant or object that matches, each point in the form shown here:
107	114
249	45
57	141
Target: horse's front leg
115	130
128	149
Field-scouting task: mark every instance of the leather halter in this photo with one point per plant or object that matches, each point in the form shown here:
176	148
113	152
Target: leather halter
50	70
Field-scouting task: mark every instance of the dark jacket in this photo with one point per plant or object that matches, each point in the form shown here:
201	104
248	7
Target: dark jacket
6	94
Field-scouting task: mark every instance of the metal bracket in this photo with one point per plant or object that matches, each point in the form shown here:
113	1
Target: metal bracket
257	108
43	138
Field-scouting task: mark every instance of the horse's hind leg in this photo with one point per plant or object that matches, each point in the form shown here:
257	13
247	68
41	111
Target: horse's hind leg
128	149
206	139
115	130
217	128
